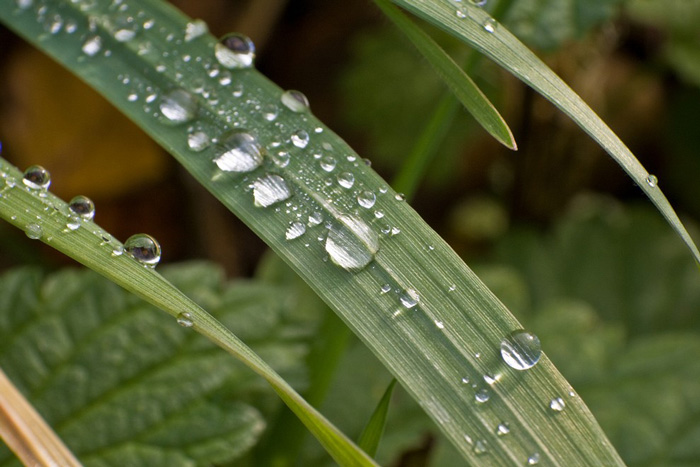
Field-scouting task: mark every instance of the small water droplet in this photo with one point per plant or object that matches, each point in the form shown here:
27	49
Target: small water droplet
24	4
269	190
125	28
117	250
295	101
185	320
281	159
34	231
270	112
490	380
533	459
295	230
400	197
482	395
461	13
235	51
479	3
351	244
327	163
480	448
239	152
300	139
366	199
502	429
557	404
346	180
198	141
439	324
409	298
73	222
315	218
489	25
178	106
652	181
194	29
144	249
521	350
37	178
386	288
92	45
83	207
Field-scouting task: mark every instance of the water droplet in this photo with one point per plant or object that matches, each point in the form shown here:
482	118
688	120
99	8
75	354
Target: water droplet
557	404
482	395
346	180
533	459
198	141
366	199
269	190
83	207
400	197
73	222
461	13
300	139
409	298
118	250
490	380
652	181
351	244
125	28
327	163
34	231
144	249
194	29
24	4
502	429
480	448
489	25
37	178
178	106
439	324
521	350
92	45
235	51
239	152
281	159
295	230
386	288
465	380
185	320
315	218
295	101
478	2
270	112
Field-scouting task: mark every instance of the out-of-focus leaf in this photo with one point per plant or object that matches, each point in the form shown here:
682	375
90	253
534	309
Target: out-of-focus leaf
122	383
372	434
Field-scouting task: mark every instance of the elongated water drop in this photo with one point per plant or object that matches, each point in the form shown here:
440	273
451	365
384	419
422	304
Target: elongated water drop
489	25
351	244
239	151
521	350
652	181
557	404
295	230
178	106
482	396
34	231
235	51
269	190
37	178
83	207
409	298
144	249
502	429
185	320
295	101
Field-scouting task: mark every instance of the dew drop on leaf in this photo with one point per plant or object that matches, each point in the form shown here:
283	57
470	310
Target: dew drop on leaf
235	51
351	244
502	429
73	222
178	106
295	101
533	459
269	190
239	151
83	207
37	178
557	404
300	139
194	29
482	396
328	163
295	230
366	199
409	298
346	180
652	181
480	447
489	25
478	2
198	141
185	320
34	231
92	46
521	350
144	249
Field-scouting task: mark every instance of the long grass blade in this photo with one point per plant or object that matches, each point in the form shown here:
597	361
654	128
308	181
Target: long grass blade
372	434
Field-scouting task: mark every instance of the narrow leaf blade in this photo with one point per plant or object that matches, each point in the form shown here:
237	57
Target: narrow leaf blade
372	434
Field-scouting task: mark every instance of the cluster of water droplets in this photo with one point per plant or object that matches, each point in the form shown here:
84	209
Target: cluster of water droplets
463	11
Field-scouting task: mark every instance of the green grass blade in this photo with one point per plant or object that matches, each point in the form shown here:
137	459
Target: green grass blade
452	74
372	434
492	39
420	309
47	216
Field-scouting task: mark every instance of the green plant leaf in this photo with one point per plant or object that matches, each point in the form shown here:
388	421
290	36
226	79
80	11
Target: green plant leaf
454	77
117	379
372	434
487	36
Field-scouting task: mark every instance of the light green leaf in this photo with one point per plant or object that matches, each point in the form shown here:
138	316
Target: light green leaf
372	434
492	39
456	79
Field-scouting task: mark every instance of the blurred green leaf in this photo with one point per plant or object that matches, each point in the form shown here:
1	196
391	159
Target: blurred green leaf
123	384
372	434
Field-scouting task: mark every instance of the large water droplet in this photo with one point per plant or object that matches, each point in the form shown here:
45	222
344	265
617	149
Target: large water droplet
300	139
83	207
37	178
366	199
295	230
235	51
34	231
239	152
557	404
295	101
269	190
652	181
409	298
144	249
92	45
521	350
185	320
178	106
351	244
